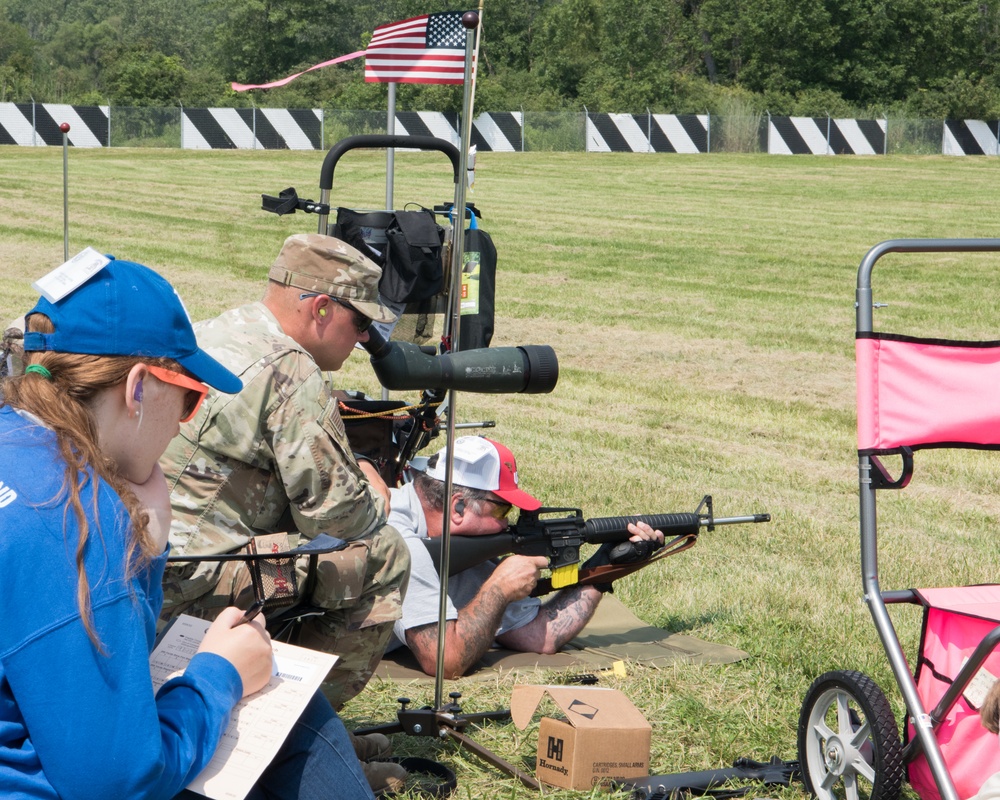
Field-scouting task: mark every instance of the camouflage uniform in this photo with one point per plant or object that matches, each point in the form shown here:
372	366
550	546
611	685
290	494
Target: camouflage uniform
12	350
274	458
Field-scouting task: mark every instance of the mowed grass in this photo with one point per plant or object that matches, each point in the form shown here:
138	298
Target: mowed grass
702	309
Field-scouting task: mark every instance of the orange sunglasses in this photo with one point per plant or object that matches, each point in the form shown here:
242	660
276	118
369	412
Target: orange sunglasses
500	509
196	390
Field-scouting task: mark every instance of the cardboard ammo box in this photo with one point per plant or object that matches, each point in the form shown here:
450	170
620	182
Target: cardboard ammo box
603	736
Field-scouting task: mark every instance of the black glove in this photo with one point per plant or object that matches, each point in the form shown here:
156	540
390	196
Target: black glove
627	552
600	559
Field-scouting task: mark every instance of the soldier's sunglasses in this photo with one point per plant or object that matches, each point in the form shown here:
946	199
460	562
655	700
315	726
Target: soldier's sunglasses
361	322
196	390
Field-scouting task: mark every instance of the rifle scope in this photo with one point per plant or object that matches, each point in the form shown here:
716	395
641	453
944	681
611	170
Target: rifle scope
531	369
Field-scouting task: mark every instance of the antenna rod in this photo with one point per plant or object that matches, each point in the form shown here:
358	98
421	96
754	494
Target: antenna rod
65	132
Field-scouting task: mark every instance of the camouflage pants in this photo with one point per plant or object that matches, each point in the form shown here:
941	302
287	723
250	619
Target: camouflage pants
360	589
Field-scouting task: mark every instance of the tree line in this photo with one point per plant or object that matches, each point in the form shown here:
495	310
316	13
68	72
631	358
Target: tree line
923	58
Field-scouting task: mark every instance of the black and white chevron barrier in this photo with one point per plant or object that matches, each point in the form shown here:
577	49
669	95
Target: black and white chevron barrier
970	137
270	128
251	129
824	136
647	133
490	132
37	124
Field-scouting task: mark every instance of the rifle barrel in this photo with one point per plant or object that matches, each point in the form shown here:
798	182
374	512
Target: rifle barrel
611	529
738	520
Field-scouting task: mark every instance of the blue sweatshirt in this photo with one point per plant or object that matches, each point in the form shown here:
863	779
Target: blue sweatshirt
76	722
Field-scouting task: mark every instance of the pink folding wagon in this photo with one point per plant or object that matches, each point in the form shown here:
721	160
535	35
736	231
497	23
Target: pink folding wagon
913	393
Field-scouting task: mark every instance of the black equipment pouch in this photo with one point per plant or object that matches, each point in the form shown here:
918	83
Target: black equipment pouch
364	231
479	259
413	270
371	427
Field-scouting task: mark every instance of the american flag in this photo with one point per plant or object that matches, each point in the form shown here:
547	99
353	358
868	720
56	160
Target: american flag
426	49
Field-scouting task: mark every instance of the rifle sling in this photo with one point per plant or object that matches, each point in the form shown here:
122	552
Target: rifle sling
612	572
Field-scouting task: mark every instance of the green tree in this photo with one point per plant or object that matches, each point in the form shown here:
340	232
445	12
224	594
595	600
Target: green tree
141	78
772	45
957	97
509	30
568	45
15	43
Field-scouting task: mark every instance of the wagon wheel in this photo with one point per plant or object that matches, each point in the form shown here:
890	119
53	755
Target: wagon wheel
849	746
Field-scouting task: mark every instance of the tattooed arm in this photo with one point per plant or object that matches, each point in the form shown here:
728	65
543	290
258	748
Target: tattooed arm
469	637
566	614
559	620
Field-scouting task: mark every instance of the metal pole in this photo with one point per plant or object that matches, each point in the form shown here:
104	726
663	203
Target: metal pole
390	163
390	153
470	20
649	130
708	132
65	132
34	140
522	129
109	123
828	133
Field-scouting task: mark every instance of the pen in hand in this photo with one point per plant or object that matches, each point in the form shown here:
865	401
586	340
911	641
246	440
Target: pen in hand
248	615
251	612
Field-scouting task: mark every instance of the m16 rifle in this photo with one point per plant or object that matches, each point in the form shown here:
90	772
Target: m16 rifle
538	533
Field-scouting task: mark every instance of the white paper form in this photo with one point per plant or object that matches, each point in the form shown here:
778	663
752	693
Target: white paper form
260	723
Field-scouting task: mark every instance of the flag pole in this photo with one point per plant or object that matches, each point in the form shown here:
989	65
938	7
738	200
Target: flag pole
470	167
475	71
390	153
390	164
470	21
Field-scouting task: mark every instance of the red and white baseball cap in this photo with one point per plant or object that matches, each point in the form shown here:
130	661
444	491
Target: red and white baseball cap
481	463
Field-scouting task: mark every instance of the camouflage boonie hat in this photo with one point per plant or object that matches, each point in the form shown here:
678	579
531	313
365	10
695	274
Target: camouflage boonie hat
317	263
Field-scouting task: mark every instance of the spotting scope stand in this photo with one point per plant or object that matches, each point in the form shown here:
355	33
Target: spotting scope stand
448	721
400	366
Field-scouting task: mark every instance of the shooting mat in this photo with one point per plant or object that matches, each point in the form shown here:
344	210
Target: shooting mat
614	634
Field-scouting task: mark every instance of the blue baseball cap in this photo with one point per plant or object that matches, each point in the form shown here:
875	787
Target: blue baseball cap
126	309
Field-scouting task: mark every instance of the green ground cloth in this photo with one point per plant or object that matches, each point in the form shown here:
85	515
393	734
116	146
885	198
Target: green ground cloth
614	634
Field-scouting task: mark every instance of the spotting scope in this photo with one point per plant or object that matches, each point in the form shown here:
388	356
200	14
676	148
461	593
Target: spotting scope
400	366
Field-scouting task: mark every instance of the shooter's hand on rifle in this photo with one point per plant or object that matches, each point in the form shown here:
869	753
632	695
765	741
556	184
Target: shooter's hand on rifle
517	576
639	547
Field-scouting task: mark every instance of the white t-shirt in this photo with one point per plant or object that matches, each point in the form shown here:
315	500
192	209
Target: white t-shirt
989	790
420	605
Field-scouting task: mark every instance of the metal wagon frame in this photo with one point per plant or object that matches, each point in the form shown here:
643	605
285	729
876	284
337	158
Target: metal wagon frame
912	393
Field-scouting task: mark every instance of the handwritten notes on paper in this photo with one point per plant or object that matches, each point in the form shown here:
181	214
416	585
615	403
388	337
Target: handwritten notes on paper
260	723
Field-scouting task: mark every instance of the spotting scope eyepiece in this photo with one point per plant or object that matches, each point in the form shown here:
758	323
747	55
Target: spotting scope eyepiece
400	366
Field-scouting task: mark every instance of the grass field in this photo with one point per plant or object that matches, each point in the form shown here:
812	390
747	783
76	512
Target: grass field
702	308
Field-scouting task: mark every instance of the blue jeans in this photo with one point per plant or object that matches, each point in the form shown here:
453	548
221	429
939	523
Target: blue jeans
316	762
